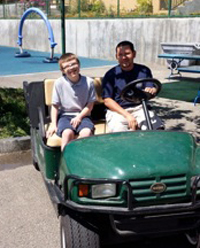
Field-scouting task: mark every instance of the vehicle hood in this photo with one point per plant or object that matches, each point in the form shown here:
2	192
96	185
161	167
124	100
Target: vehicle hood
126	155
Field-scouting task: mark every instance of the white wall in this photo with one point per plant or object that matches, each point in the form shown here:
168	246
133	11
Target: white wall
97	38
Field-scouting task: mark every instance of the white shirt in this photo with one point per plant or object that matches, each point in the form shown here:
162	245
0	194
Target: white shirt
73	97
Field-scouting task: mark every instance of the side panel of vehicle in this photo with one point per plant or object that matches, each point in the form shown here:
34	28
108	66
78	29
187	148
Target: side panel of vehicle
48	158
196	168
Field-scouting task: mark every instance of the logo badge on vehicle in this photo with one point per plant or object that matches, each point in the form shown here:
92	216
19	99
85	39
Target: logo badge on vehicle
158	188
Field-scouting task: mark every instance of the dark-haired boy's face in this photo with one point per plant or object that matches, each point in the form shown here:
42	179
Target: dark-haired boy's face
71	69
125	57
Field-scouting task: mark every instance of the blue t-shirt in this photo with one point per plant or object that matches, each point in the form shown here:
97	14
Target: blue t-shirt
116	79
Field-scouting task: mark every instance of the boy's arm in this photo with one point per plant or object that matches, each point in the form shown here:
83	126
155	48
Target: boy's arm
54	117
85	112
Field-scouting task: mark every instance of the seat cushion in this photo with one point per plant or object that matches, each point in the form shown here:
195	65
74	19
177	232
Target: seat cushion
55	140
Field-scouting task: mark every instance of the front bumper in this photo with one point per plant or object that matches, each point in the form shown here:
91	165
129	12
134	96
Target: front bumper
130	208
131	220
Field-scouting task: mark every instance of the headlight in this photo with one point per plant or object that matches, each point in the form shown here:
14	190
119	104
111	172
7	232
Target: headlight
103	190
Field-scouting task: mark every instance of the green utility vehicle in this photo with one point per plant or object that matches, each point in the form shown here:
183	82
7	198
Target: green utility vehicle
112	188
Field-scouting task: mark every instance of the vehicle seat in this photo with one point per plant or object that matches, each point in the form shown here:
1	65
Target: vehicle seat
98	113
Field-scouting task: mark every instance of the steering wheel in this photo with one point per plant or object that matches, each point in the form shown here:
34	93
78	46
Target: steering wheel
132	93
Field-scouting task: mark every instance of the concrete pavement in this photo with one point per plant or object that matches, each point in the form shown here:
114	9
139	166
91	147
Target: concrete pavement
27	216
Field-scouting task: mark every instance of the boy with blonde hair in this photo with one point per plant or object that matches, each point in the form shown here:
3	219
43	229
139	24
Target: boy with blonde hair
72	102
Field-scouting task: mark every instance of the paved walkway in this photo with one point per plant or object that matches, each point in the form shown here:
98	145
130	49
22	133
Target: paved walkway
177	115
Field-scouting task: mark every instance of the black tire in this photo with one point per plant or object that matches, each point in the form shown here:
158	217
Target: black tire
193	238
35	164
75	235
33	151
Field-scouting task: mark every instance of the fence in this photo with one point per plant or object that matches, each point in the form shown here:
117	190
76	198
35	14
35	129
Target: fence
100	8
176	3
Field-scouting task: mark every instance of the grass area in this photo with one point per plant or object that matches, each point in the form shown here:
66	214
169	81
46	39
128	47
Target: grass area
182	89
14	120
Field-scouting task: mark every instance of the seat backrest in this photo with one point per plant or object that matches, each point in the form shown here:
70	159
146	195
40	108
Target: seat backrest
98	89
48	89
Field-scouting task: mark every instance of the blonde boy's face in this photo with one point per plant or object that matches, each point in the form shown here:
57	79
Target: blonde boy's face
71	69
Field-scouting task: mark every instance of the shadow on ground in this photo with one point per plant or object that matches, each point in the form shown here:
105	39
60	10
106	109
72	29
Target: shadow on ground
178	116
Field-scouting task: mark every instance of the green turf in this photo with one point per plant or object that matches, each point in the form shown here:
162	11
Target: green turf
182	90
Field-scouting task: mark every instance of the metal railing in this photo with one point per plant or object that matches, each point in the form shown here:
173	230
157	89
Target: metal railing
93	8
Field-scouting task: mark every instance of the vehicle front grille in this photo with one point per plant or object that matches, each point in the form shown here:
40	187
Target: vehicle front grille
176	186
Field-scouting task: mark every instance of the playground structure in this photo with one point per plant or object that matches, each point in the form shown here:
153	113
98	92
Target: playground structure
22	53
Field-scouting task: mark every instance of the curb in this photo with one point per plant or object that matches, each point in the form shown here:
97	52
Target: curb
10	145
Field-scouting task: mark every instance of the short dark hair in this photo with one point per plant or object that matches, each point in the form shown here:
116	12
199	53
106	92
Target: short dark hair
126	43
67	57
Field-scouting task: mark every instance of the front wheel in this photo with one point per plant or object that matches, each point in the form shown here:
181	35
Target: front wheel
75	235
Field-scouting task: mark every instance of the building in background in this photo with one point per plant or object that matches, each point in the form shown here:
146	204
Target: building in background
128	5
